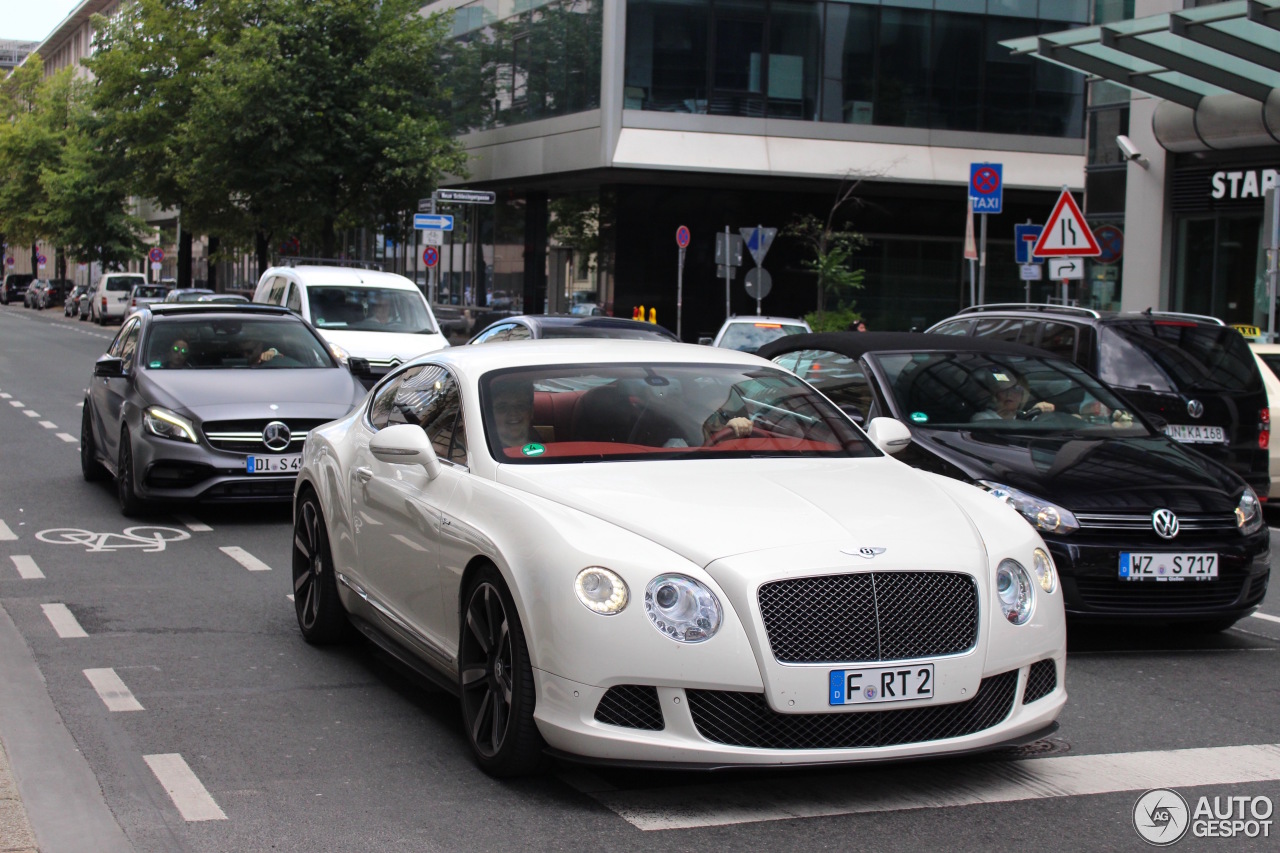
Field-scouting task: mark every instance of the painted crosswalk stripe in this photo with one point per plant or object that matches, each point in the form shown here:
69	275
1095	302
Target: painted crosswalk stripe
6	535
67	437
48	425
1266	616
115	694
27	568
63	621
183	787
245	559
193	524
17	404
5	396
905	787
31	413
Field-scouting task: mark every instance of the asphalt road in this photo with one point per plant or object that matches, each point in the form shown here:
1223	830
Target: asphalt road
231	734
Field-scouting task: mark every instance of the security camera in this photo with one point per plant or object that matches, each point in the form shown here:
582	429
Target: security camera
1130	151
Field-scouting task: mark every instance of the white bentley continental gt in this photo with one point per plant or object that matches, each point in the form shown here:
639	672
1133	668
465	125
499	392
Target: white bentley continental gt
651	553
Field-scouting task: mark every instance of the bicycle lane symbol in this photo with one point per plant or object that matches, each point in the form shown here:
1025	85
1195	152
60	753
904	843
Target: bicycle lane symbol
147	538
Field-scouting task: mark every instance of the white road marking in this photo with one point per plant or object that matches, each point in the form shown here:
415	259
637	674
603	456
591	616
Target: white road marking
31	413
115	694
80	405
194	525
27	568
48	425
903	788
182	786
17	404
5	396
245	559
63	621
1266	616
68	437
289	596
6	535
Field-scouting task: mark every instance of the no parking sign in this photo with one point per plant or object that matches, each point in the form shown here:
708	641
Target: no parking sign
986	187
431	256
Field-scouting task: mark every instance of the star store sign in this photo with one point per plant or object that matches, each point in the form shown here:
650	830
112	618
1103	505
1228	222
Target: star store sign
1247	183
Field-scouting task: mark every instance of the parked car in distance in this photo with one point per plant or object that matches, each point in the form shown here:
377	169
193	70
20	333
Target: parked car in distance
749	333
541	326
111	296
54	293
613	528
15	286
71	304
223	298
370	314
209	402
1193	376
1142	528
1268	357
143	295
31	296
187	294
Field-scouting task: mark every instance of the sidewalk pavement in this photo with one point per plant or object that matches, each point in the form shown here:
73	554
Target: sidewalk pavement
15	832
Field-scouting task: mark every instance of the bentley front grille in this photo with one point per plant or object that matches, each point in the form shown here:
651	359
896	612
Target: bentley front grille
631	706
1041	681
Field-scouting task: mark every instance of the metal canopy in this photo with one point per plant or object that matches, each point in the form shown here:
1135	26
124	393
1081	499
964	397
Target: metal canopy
1183	57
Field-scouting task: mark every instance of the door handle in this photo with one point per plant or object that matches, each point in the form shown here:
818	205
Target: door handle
363	474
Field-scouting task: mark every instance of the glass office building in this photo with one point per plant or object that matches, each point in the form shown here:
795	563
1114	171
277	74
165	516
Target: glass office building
604	125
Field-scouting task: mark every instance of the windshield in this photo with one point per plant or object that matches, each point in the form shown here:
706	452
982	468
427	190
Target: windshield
210	343
125	283
983	391
749	337
189	295
589	413
1176	355
150	291
370	309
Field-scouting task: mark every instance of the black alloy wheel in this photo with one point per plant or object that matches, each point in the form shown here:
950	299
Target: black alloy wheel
495	680
90	467
315	586
130	504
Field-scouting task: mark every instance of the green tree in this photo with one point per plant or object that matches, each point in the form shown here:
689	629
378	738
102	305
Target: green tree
833	244
28	143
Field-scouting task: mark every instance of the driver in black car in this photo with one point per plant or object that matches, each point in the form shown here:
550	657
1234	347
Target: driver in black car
1009	397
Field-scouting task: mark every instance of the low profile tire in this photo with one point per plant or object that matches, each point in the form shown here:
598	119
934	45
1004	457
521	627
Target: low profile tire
495	680
315	585
90	467
126	490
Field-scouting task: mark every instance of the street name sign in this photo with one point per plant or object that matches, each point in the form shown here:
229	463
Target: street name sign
467	196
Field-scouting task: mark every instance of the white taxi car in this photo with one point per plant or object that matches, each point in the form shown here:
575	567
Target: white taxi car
671	554
378	316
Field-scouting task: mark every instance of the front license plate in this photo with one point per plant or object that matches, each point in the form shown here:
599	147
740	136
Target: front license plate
273	464
870	685
1168	567
1195	434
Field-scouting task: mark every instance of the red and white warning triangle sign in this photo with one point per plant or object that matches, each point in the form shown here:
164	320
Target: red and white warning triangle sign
1066	234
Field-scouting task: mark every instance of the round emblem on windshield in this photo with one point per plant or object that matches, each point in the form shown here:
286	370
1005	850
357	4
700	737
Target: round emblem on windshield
1195	408
1165	523
276	435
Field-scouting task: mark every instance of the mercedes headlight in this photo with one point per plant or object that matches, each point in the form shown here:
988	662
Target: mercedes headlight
682	609
339	353
1014	591
167	424
1043	515
1044	570
601	590
1249	512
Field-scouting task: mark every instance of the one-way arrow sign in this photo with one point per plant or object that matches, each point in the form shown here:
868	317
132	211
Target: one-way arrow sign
432	222
758	241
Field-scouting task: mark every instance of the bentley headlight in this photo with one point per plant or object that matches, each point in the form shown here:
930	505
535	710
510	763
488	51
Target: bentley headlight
681	608
1013	588
601	590
1042	567
1042	514
1249	512
167	424
339	353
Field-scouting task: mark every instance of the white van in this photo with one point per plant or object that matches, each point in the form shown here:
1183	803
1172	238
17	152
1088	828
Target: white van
111	296
378	316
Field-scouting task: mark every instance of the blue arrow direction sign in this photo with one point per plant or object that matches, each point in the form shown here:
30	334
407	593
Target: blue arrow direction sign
1024	240
432	222
986	187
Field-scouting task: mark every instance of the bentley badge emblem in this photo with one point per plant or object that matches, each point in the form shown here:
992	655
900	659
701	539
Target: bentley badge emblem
863	552
1165	523
276	436
1195	408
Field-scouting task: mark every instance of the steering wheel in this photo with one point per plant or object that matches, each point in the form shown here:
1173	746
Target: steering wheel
1032	413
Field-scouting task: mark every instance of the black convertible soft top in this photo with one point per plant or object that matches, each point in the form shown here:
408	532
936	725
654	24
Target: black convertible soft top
857	344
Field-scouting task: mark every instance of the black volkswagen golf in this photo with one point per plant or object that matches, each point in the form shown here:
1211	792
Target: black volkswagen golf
1142	529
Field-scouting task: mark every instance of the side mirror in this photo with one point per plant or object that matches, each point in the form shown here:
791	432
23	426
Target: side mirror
406	444
359	367
888	434
705	340
108	367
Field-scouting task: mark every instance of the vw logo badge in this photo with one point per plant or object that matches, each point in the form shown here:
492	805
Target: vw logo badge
276	436
1195	408
1165	523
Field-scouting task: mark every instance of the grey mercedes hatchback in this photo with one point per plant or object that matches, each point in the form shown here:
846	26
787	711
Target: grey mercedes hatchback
210	402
